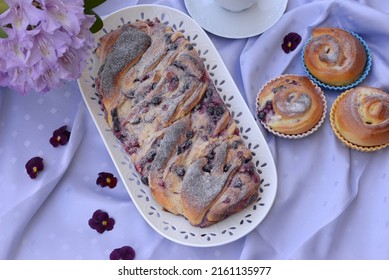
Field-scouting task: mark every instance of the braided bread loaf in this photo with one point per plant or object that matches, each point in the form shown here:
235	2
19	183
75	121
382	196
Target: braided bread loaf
161	103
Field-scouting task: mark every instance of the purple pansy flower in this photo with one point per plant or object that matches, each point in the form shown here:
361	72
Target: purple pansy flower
34	166
60	136
123	253
291	41
106	179
101	221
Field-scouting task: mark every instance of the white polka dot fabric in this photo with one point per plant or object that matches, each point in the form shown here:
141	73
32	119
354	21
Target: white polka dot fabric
332	202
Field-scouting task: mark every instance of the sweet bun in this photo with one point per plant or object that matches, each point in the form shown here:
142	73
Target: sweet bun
360	117
334	56
290	105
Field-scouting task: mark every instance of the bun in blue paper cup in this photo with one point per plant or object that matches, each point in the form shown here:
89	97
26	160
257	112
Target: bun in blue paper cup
336	59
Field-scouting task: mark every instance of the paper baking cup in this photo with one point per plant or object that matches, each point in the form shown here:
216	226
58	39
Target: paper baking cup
344	140
345	87
300	135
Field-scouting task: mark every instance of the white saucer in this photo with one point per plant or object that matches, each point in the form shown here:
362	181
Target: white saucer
250	22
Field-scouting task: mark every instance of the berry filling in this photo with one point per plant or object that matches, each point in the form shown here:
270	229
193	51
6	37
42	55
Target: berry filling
165	107
151	155
130	94
234	145
179	65
136	120
150	23
185	146
115	121
161	184
172	80
168	39
180	171
265	111
145	180
131	144
156	100
238	183
227	167
211	155
207	168
172	47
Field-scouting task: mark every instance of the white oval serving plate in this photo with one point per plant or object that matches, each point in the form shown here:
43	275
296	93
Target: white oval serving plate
177	228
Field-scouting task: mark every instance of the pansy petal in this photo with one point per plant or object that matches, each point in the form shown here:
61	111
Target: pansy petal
60	136
110	224
99	180
39	165
115	255
101	221
32	174
54	141
100	215
93	223
103	216
123	253
113	182
106	179
290	42
33	166
64	139
285	48
60	130
100	229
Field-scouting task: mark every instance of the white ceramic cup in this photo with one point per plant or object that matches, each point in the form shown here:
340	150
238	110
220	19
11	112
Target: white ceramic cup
235	5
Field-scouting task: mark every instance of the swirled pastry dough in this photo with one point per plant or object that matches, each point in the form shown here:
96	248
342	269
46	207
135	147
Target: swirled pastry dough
290	104
335	56
361	116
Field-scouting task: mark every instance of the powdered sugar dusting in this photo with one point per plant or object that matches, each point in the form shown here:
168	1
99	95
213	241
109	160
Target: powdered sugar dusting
130	44
199	188
295	103
168	144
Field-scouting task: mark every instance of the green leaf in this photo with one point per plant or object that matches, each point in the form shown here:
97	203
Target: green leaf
3	6
90	4
98	22
2	33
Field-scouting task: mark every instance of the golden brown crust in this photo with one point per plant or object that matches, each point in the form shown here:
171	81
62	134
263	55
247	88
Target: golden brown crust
290	104
361	116
334	56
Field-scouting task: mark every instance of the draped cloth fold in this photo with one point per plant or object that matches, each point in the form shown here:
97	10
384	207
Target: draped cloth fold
319	179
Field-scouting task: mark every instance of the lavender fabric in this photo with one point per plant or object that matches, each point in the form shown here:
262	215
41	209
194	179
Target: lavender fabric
332	202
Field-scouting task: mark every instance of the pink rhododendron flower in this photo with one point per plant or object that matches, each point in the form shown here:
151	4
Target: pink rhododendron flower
48	42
